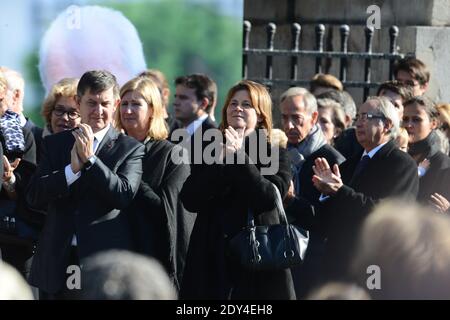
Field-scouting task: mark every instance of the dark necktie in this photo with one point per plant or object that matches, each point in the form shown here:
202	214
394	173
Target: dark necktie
362	164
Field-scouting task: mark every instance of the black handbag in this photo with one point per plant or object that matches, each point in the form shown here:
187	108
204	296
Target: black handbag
271	247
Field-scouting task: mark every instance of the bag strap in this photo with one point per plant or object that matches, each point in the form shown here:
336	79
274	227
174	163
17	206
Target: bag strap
250	218
279	204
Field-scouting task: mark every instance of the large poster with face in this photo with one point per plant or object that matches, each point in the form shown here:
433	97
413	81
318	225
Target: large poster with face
47	40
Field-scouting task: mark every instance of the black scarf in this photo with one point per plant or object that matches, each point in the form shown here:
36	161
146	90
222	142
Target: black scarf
426	148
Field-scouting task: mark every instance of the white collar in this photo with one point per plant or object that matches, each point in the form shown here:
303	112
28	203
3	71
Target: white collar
195	124
372	152
99	135
23	120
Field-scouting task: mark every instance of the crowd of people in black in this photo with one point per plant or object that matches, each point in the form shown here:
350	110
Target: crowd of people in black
113	169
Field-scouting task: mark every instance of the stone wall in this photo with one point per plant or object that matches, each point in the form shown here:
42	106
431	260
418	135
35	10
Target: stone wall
422	31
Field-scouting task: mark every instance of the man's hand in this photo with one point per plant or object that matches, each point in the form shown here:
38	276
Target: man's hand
84	141
326	181
290	195
75	162
439	202
8	168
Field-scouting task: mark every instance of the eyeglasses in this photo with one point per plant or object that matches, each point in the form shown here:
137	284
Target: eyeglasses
72	114
368	116
411	83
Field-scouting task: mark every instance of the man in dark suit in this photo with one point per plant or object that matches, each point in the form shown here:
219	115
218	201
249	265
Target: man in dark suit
194	97
354	188
85	177
306	142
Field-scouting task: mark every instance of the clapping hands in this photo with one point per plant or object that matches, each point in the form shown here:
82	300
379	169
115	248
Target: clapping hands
325	180
83	148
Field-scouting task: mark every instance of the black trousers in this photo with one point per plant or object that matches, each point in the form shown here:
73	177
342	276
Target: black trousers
65	293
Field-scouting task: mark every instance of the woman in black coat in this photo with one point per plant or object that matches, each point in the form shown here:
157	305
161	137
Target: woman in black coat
420	120
222	194
161	226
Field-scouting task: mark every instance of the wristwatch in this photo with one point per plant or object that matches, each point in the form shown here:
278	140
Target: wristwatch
89	163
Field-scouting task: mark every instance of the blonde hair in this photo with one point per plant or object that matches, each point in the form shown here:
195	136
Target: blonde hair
443	110
402	137
260	100
161	81
150	92
66	87
279	138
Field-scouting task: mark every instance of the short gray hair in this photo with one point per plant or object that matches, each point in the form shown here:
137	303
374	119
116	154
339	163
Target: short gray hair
308	98
13	78
387	109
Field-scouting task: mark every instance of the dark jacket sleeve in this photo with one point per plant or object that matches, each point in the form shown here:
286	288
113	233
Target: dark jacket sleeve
27	165
30	146
301	212
46	184
403	181
1	166
258	188
118	188
207	180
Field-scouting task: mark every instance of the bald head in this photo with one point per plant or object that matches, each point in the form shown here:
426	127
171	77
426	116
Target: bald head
102	39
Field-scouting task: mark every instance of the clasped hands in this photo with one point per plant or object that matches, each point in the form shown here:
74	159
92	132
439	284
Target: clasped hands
83	147
234	139
327	181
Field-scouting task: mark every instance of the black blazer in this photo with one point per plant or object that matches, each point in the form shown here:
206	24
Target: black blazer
160	224
390	173
1	167
221	195
347	144
191	144
23	172
436	179
89	208
37	135
300	209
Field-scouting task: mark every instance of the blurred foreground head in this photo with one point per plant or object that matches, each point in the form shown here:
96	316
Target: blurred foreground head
338	291
411	246
90	38
12	285
124	275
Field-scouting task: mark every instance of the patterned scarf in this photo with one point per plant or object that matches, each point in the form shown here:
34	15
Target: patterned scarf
298	153
12	134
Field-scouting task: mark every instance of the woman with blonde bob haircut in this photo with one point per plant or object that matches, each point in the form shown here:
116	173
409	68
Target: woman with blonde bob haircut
59	110
151	126
223	194
159	222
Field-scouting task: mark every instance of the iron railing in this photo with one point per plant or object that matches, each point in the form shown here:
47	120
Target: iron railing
318	53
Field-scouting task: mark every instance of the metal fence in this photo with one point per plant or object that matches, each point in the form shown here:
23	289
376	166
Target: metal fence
318	53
